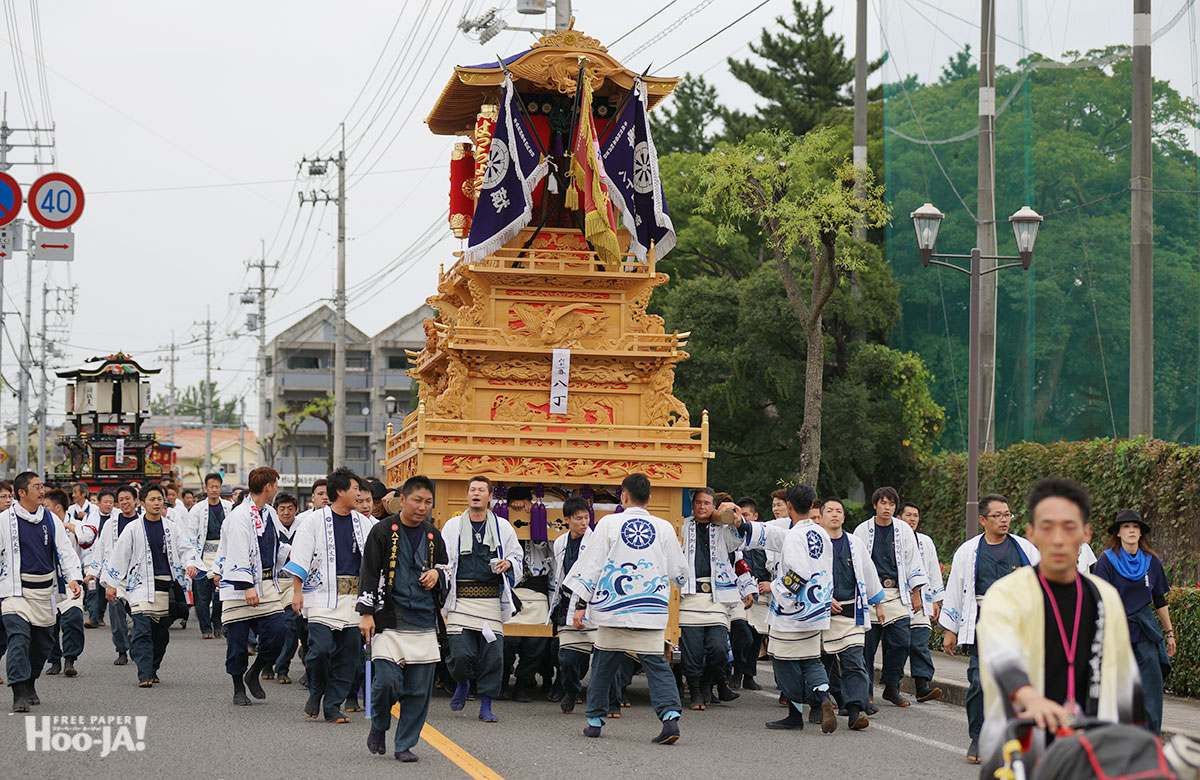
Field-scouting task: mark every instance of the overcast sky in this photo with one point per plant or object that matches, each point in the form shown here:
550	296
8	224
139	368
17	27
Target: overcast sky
185	122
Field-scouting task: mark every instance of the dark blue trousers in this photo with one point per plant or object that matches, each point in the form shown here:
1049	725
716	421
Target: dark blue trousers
798	680
531	650
28	648
208	605
412	686
149	644
118	616
745	641
854	684
920	660
474	658
896	641
68	636
330	663
270	629
1147	654
974	700
605	665
292	626
93	601
572	668
704	650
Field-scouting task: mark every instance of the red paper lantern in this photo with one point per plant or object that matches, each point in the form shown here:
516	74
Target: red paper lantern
462	189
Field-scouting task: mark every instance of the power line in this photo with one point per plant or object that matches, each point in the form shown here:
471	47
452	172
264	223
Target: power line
714	35
670	28
640	26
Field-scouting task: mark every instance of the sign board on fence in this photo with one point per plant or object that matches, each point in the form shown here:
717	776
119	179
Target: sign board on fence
58	246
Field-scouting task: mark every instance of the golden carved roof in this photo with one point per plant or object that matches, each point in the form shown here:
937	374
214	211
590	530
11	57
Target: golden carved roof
550	65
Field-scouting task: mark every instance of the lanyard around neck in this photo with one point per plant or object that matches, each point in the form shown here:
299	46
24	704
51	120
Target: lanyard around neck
1071	649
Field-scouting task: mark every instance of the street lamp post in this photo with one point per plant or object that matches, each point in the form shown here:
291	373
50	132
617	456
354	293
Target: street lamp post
1025	222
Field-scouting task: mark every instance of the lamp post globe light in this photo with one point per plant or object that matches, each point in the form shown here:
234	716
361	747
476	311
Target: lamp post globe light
1025	222
389	404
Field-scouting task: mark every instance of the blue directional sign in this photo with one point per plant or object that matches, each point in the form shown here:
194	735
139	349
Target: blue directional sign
10	199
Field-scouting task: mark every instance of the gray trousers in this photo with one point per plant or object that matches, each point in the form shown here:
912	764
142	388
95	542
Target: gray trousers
605	663
474	658
704	650
411	686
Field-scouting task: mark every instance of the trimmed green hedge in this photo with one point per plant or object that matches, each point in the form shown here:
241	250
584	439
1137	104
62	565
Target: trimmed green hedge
1159	479
1184	604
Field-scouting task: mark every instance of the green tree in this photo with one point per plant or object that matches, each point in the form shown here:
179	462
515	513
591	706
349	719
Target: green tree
959	67
802	197
191	401
685	122
288	420
1079	344
322	409
805	75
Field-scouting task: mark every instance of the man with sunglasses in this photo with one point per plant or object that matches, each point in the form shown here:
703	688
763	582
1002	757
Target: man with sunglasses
978	563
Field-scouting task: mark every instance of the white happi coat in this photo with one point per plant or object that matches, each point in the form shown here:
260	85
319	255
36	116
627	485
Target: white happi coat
802	590
722	541
314	555
869	590
130	565
1087	558
627	571
510	550
910	570
67	567
86	520
558	560
934	591
239	558
960	611
197	523
105	543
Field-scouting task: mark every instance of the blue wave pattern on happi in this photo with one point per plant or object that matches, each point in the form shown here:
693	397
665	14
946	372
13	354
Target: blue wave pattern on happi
812	602
625	588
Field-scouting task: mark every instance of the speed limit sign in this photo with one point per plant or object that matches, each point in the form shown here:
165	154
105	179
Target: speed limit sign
55	200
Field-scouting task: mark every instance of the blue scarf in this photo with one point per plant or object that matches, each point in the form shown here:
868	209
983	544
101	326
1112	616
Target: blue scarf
1131	567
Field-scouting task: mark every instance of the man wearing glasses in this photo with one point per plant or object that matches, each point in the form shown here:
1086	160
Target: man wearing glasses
978	563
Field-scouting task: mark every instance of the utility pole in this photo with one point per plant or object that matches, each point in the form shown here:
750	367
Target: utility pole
260	295
171	390
860	104
41	414
985	224
562	14
208	421
26	356
26	363
317	168
1141	250
242	443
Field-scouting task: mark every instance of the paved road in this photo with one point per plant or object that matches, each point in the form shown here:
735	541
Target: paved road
192	731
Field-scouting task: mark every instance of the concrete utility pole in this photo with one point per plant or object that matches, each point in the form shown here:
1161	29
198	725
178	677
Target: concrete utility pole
26	356
171	390
41	413
26	363
242	443
260	295
317	168
208	416
985	224
562	14
860	102
1141	250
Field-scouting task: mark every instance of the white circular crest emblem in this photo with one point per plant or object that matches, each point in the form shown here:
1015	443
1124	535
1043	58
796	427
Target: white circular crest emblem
638	533
643	176
497	164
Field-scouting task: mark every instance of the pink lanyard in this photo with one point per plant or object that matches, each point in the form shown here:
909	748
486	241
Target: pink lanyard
1071	649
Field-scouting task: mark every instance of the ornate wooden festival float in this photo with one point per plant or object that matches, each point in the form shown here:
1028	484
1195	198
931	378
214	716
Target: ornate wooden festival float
108	401
543	368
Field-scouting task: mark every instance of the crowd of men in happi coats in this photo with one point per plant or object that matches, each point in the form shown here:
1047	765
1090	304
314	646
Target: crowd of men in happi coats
365	568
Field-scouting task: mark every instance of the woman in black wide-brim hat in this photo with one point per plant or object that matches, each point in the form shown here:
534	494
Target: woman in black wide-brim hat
1133	568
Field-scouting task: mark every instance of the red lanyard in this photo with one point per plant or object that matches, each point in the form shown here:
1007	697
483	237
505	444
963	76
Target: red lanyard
1069	649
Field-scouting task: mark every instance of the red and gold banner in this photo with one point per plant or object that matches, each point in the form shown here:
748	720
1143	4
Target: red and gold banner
462	189
590	190
485	126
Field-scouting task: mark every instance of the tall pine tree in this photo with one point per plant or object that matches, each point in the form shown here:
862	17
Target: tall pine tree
805	75
685	122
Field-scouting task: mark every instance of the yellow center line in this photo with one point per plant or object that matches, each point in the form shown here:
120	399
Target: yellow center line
448	748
